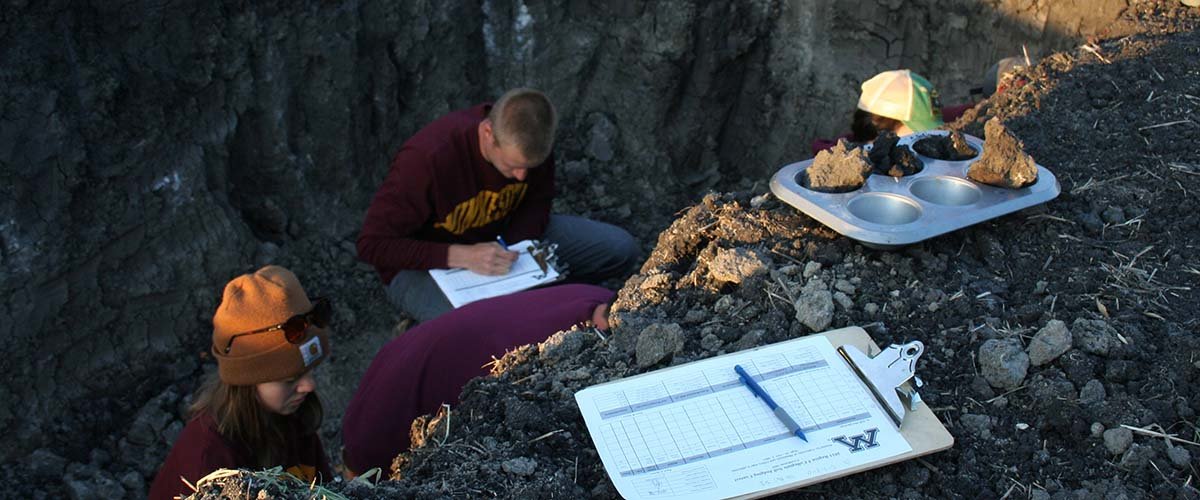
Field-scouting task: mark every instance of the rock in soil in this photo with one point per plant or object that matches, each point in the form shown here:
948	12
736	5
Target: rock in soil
658	342
1116	441
1003	363
814	308
519	466
1179	456
1092	393
1093	336
1004	162
1049	343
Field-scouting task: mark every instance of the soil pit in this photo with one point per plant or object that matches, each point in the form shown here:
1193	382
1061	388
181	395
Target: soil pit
993	303
951	147
888	158
841	169
1004	162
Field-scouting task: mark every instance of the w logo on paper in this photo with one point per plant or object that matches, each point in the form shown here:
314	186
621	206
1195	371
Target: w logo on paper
860	442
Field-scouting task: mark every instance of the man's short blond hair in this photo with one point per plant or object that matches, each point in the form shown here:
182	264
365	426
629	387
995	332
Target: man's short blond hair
525	117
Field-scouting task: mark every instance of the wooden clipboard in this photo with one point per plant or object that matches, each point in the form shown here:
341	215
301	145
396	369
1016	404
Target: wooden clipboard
921	428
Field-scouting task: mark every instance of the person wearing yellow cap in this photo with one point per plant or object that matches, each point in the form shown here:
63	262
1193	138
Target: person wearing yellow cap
260	409
899	101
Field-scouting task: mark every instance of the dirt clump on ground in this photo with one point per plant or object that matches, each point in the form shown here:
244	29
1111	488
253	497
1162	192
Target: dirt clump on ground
1004	162
890	158
950	147
840	169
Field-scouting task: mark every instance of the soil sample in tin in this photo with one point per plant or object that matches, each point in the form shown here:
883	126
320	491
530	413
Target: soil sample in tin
888	158
838	170
951	147
1004	162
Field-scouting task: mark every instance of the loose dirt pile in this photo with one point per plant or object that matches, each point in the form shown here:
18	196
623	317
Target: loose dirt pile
1004	162
1050	334
952	147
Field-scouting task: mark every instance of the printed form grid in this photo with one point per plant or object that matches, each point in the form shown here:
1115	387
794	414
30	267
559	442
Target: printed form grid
689	419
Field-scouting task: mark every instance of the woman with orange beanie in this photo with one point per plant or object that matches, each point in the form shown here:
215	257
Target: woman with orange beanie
260	409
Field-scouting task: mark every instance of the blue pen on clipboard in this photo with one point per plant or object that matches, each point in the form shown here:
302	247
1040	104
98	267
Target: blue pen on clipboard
780	413
500	240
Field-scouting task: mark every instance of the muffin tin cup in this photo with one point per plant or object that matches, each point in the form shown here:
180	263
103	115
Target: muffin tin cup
890	212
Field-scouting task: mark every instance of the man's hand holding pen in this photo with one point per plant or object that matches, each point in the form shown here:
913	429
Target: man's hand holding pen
489	258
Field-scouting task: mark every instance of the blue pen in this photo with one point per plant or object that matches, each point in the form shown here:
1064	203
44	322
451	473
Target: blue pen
780	413
500	240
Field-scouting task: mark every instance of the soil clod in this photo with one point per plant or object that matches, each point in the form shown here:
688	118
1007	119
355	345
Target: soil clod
951	147
890	158
1004	162
841	169
1003	363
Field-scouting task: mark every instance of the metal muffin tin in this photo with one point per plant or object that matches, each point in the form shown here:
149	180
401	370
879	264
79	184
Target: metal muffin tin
889	212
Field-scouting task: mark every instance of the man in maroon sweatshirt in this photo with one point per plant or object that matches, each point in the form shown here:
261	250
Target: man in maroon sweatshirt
466	178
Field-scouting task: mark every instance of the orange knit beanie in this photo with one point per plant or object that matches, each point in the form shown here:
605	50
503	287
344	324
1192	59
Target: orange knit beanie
268	297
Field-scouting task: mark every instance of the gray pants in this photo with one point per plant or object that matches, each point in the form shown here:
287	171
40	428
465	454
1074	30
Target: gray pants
593	251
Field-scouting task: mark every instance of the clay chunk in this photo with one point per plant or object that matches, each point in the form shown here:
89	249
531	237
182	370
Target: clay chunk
953	147
838	170
1004	162
888	158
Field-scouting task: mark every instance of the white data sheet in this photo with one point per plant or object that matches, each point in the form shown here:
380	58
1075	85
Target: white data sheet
463	287
696	431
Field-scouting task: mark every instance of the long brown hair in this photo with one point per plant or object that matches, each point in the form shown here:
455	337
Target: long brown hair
242	419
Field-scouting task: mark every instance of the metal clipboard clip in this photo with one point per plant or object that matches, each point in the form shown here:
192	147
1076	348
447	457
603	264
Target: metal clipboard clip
886	372
544	254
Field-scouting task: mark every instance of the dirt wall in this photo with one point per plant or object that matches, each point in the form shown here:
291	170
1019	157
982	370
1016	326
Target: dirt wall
151	151
710	92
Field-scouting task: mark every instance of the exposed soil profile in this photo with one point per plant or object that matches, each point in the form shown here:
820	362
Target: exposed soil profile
1047	331
1044	336
840	169
951	147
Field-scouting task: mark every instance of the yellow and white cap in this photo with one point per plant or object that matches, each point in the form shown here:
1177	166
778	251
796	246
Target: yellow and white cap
902	95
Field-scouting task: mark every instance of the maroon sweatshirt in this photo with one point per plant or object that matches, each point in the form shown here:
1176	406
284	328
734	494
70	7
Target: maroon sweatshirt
441	191
200	450
418	371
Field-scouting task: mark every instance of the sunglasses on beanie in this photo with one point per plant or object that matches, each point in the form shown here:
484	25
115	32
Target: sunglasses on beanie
294	327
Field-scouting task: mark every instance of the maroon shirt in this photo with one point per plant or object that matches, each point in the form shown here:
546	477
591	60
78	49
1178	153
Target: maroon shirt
415	373
200	450
441	191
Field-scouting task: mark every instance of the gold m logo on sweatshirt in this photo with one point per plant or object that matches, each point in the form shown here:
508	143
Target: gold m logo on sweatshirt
483	209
